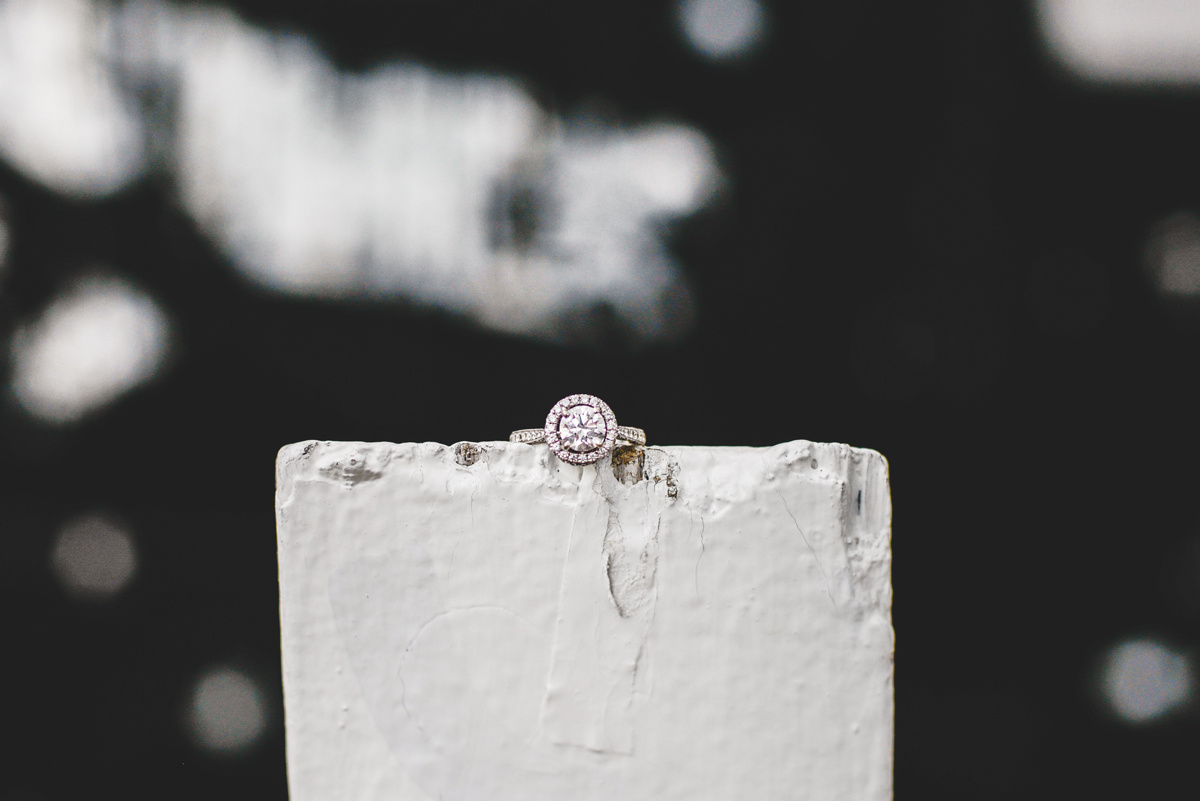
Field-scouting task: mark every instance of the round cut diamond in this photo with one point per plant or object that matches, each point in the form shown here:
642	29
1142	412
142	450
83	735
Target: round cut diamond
582	428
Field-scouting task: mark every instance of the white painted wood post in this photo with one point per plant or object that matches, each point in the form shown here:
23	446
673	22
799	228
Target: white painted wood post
484	623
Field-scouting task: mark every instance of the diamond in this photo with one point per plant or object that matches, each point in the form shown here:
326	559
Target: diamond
582	428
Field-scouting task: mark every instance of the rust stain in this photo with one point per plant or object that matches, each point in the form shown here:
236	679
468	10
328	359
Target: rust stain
628	462
467	453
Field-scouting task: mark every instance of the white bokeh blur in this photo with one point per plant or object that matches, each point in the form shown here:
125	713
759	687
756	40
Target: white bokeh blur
1173	256
226	712
96	341
93	558
723	29
64	119
397	183
1143	680
1134	42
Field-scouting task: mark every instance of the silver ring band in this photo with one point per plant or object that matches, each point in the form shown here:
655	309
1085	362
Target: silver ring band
534	436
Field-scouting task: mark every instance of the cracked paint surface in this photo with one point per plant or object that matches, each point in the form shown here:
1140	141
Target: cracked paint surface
508	626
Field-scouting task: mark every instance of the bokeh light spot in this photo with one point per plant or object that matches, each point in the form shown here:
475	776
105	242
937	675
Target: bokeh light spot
1143	680
93	558
1136	42
722	29
1173	256
65	119
93	343
398	182
227	713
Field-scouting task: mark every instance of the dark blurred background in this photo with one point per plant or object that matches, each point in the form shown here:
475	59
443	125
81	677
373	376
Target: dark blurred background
962	234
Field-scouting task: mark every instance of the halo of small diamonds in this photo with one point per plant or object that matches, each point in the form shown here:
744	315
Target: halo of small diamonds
579	440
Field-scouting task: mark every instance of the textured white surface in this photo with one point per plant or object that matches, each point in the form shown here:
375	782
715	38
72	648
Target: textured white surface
525	629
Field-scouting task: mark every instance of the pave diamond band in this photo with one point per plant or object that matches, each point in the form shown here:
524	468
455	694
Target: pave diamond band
580	429
531	436
534	436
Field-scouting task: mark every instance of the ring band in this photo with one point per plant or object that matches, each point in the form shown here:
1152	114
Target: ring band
535	436
580	429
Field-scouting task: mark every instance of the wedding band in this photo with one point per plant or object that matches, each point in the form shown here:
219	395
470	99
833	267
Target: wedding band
580	429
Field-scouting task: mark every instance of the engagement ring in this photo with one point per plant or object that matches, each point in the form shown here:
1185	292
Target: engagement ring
580	429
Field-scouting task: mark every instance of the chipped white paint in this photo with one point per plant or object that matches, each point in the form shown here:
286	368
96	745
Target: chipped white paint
606	608
520	628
